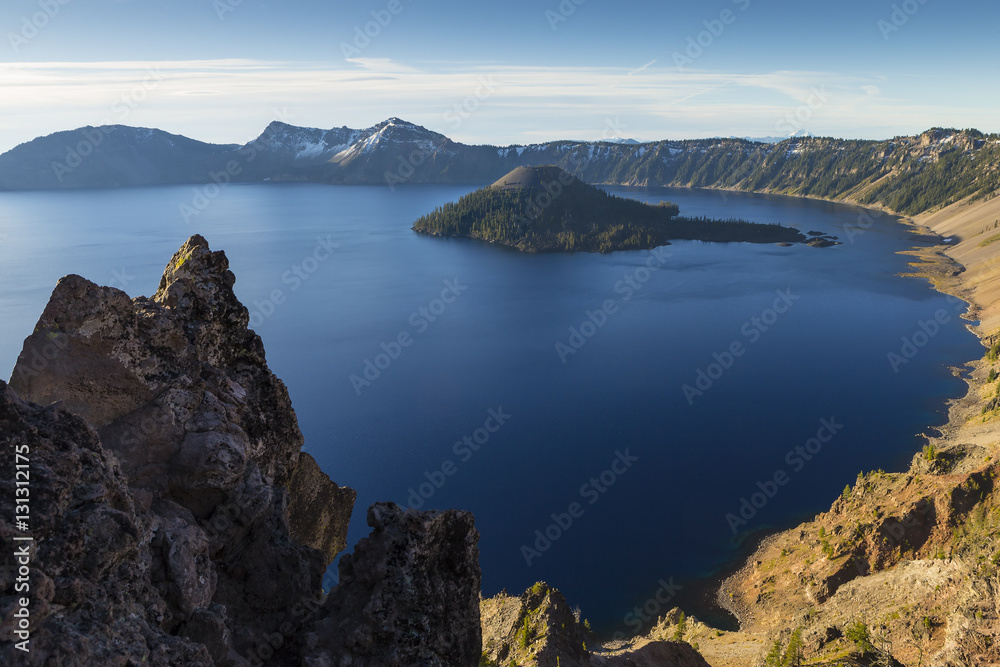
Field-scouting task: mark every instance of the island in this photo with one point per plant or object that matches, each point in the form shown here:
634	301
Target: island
547	209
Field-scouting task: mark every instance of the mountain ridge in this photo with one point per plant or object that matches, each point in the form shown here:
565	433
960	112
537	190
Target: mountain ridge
906	174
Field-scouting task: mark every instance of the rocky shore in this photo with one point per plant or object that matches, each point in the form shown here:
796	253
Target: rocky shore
911	557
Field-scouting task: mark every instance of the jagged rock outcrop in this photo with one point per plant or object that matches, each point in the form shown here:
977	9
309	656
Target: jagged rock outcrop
538	629
89	572
201	443
174	519
911	556
408	595
653	654
317	510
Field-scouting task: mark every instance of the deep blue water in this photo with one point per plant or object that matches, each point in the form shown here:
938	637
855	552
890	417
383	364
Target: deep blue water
494	347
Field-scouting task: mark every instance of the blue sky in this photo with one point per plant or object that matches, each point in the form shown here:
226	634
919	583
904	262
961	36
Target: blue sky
501	73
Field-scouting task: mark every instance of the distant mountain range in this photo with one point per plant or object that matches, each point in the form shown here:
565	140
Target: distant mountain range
777	140
906	174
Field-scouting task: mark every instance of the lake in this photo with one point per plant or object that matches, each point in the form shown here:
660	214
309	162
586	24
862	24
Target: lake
617	423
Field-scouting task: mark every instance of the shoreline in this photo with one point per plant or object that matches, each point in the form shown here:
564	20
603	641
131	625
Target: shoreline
962	437
710	598
714	595
943	274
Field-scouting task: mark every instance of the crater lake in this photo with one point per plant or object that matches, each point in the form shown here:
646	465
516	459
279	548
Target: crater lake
615	422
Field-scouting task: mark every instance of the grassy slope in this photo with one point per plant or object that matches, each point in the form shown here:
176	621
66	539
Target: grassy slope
928	536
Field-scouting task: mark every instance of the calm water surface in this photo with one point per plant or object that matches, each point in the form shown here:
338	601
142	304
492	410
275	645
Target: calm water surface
422	431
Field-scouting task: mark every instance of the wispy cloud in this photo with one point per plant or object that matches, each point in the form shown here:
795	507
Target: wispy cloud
382	65
643	68
232	100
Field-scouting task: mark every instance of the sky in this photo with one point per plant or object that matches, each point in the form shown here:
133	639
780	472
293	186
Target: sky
505	73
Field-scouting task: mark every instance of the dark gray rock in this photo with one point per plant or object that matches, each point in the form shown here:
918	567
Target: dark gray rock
176	521
318	513
408	595
204	447
90	592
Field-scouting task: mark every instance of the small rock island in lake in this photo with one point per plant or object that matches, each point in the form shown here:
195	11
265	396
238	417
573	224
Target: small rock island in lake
547	209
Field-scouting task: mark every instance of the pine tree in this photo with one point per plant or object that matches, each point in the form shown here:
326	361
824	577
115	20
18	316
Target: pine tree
793	654
774	656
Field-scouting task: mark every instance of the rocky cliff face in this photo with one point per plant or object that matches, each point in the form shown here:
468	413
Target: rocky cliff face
175	519
408	595
94	568
910	556
538	629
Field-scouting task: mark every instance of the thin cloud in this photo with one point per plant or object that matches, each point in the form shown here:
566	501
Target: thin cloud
382	65
643	68
229	100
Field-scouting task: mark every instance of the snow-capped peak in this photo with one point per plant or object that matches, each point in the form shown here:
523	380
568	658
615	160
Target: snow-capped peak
312	145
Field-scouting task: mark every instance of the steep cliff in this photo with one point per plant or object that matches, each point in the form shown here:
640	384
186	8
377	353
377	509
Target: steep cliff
173	518
408	595
539	629
904	564
909	174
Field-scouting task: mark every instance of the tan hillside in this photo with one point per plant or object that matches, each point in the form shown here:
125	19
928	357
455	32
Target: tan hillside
912	555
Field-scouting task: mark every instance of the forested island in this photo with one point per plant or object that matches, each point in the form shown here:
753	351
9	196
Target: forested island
547	209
